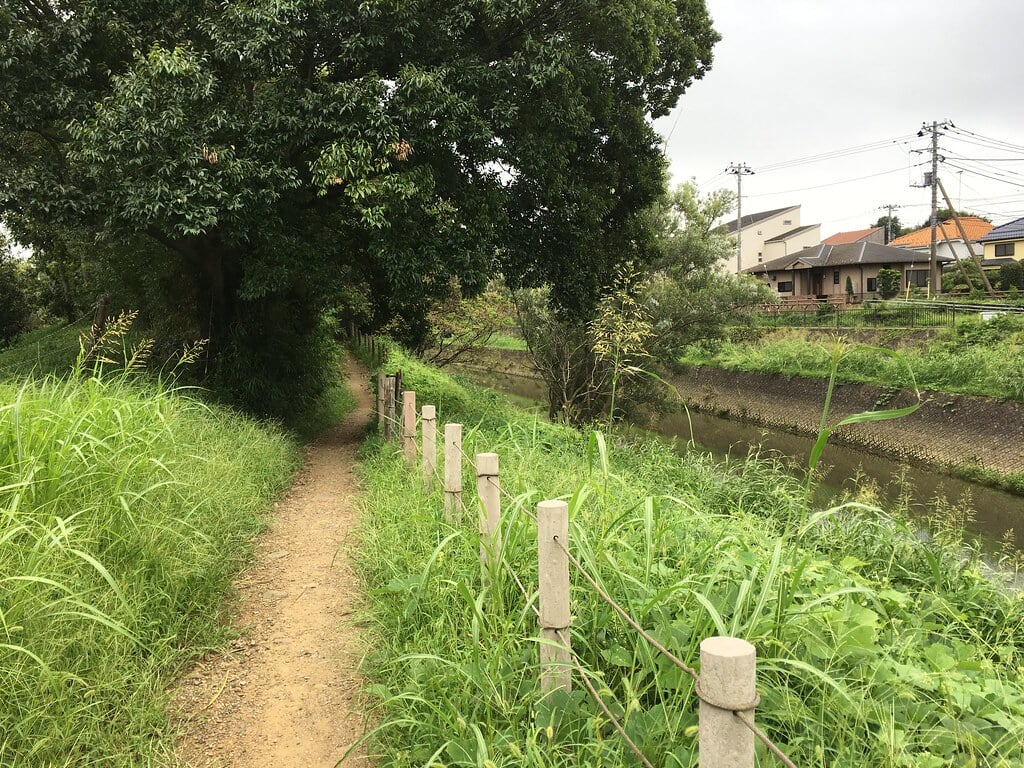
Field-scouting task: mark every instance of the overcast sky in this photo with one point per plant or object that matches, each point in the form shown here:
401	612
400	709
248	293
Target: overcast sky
793	79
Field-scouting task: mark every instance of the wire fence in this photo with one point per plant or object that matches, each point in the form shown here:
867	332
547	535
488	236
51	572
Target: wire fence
741	713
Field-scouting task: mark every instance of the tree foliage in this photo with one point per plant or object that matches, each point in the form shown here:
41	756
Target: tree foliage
15	308
646	317
245	164
888	283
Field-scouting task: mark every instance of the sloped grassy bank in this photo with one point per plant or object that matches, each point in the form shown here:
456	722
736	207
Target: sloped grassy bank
875	647
124	512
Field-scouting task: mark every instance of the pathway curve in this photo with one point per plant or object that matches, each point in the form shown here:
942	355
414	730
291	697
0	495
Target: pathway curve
286	693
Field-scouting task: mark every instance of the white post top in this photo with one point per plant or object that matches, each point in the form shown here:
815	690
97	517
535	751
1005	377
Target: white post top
429	412
727	647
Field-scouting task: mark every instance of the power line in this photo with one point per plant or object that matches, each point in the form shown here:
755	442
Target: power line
832	154
835	183
985	175
989	139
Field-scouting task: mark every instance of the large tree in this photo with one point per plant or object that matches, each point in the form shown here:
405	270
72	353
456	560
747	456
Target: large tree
252	162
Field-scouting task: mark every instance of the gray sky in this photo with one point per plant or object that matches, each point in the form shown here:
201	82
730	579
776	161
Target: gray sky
793	79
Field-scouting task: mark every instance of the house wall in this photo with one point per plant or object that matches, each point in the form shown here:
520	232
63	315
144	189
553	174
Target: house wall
755	235
1018	249
959	250
803	280
782	248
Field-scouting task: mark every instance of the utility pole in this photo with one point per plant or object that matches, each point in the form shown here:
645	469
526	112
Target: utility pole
889	207
934	129
739	171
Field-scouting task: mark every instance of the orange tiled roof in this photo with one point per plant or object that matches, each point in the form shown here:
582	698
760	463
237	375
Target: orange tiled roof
842	238
974	227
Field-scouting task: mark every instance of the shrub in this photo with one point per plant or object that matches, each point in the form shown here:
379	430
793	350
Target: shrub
1011	275
888	283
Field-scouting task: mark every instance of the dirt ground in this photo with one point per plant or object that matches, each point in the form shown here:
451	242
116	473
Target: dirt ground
286	694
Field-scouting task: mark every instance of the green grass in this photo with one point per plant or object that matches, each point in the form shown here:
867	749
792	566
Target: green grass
504	341
875	646
124	513
976	358
44	351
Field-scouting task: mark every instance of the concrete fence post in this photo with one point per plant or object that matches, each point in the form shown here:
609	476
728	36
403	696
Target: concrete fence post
381	410
452	472
389	407
428	418
490	510
728	682
553	581
409	427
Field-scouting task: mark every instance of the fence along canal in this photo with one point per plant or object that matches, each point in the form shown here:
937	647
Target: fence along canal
726	684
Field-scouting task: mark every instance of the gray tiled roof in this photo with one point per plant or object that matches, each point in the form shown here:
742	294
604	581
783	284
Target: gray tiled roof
792	233
754	218
841	255
1013	230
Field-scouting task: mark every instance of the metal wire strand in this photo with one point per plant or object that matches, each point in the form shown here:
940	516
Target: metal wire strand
626	617
744	718
600	702
519	583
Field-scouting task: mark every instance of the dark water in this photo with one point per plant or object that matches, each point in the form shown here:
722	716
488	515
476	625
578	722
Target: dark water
997	516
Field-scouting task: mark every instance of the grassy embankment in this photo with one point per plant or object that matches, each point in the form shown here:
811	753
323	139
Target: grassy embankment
125	510
875	648
976	358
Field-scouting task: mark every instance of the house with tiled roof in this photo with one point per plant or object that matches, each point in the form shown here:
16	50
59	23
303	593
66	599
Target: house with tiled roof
821	272
767	235
869	235
948	241
1003	243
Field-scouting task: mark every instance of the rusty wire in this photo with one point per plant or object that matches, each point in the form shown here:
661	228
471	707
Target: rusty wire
741	715
600	702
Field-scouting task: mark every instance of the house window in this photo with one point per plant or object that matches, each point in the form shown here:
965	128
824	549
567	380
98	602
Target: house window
872	284
1004	249
785	223
759	231
773	277
785	286
917	278
835	277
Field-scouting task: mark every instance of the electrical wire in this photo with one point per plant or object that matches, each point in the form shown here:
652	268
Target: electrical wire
832	154
835	183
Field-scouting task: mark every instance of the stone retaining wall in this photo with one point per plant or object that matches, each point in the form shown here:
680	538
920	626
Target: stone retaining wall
947	431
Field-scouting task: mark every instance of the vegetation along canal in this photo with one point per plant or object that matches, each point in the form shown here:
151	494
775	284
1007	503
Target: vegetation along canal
997	516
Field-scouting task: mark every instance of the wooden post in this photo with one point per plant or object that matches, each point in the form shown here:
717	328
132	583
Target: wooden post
409	426
452	471
490	509
728	680
389	407
380	402
553	580
429	419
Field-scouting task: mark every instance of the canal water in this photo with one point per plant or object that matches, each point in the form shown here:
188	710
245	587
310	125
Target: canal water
995	516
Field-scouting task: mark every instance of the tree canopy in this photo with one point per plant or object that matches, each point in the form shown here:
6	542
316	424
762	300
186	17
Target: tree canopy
237	167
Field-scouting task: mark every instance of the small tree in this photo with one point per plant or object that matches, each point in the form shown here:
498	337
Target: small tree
888	283
1011	275
849	288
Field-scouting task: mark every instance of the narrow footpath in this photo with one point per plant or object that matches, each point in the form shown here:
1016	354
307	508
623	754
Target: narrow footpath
286	693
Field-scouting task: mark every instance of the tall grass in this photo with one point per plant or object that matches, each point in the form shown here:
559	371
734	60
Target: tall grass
47	350
124	511
876	647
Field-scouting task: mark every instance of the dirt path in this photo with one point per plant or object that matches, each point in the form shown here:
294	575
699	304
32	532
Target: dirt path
286	693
